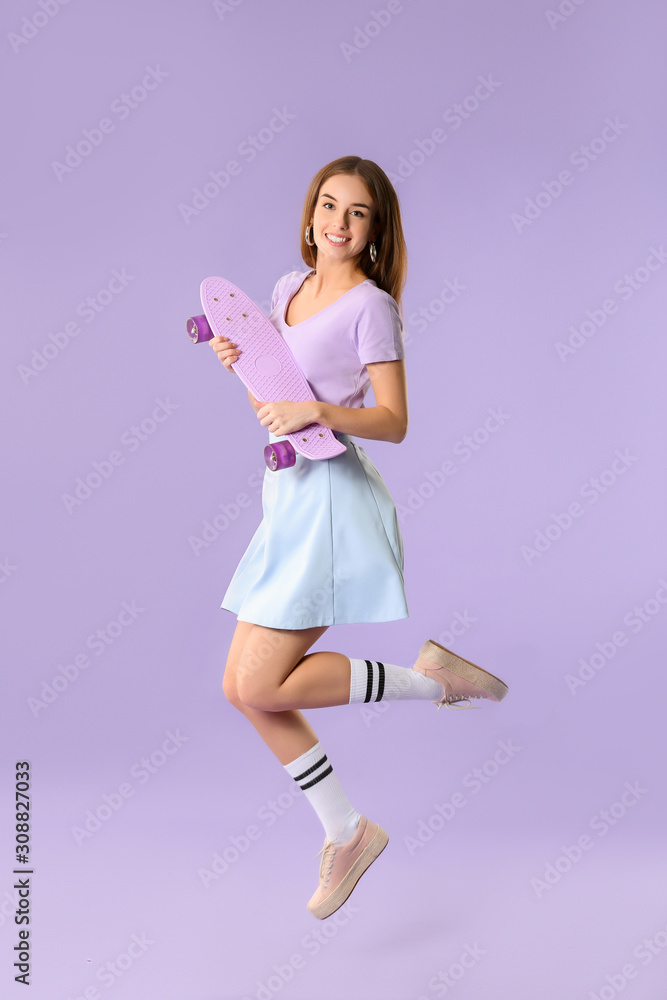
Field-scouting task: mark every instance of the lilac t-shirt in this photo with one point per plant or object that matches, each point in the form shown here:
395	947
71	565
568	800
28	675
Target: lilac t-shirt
333	347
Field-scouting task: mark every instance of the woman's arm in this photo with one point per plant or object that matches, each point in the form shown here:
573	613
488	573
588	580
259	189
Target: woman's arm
388	420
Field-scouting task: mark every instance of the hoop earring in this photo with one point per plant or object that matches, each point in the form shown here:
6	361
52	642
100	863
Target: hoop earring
373	252
307	237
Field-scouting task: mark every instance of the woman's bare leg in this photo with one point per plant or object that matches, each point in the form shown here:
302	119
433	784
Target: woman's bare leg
259	660
275	673
287	733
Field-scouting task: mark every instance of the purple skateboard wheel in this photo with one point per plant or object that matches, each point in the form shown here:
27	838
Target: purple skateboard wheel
199	330
279	455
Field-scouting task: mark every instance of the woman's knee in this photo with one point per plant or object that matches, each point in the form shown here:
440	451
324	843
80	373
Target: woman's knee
230	686
267	658
253	692
230	692
229	681
243	690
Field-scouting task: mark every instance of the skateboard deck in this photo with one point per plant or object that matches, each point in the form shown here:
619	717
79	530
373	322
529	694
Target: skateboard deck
267	366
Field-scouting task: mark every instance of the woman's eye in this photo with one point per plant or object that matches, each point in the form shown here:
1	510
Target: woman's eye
355	211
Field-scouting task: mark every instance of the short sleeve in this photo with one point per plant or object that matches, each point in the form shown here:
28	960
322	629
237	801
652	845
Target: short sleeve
277	291
379	331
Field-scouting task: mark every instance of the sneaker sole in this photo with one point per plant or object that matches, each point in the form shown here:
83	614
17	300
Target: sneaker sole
351	877
443	657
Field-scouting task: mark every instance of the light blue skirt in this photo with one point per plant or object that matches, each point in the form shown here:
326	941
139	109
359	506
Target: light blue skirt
328	550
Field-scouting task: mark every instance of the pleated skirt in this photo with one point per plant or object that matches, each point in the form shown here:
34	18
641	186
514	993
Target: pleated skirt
328	551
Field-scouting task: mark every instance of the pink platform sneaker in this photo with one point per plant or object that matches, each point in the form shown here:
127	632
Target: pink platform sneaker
342	866
460	678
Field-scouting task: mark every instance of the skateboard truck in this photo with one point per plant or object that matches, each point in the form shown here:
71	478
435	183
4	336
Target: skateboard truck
267	367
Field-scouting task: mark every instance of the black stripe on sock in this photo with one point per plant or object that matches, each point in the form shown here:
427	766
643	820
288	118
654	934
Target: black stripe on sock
309	784
380	680
311	769
369	680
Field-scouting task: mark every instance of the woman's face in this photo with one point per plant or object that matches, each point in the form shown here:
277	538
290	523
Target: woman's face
344	208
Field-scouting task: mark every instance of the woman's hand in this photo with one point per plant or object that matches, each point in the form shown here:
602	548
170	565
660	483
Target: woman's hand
285	417
282	417
227	352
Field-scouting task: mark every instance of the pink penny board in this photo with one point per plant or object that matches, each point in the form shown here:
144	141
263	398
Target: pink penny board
267	366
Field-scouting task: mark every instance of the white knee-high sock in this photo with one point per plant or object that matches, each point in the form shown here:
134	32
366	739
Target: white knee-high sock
315	777
371	680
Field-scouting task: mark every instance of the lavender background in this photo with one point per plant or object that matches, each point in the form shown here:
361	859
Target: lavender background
498	900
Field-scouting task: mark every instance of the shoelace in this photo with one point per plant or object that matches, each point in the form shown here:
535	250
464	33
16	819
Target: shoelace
331	848
451	701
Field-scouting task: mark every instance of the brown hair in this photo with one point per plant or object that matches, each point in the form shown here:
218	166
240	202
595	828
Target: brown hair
390	269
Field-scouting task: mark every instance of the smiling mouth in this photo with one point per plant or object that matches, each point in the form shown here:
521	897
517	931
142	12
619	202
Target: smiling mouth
338	240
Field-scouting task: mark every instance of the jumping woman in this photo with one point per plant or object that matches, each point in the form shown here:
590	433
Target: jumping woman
329	549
